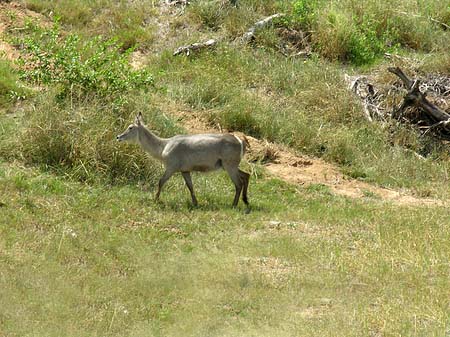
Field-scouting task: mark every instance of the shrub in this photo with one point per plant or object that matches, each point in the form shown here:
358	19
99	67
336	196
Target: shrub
80	68
305	12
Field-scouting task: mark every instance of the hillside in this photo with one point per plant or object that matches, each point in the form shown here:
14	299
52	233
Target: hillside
348	229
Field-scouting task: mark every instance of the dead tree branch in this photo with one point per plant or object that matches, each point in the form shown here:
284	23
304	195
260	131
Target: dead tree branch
416	98
371	99
249	35
406	81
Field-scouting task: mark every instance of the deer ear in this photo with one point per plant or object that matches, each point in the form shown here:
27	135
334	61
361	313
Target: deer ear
138	120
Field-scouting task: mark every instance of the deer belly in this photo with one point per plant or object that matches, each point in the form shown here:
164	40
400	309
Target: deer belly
205	167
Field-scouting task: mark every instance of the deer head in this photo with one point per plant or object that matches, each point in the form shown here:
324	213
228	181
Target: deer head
131	134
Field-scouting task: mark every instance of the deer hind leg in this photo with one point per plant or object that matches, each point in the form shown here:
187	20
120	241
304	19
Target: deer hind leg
245	177
167	174
235	176
188	180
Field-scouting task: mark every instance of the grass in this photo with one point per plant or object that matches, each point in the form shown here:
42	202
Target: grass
305	105
86	251
10	88
99	260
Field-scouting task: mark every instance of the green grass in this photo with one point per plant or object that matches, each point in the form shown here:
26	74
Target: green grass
99	260
10	88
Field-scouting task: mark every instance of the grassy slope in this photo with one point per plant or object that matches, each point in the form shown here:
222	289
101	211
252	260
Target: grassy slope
99	259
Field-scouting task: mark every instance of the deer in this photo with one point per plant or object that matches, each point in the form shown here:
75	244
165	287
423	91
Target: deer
195	152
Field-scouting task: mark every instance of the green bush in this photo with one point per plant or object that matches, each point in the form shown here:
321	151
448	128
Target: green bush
305	12
364	45
80	68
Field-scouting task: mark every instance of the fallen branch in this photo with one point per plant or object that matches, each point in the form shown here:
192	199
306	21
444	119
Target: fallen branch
406	81
194	46
437	125
416	98
250	34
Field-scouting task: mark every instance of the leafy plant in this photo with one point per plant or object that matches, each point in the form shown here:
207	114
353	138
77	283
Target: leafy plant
78	67
304	11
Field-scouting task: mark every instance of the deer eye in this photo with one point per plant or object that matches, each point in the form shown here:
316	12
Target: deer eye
130	128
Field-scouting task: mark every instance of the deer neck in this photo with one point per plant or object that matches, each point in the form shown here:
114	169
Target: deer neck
151	143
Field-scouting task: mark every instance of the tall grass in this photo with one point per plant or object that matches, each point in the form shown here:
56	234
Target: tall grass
360	32
79	140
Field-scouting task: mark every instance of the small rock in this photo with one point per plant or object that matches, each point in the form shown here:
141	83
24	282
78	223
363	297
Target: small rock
274	223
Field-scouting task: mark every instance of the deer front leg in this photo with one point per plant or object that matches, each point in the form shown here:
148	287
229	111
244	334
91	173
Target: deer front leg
162	181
